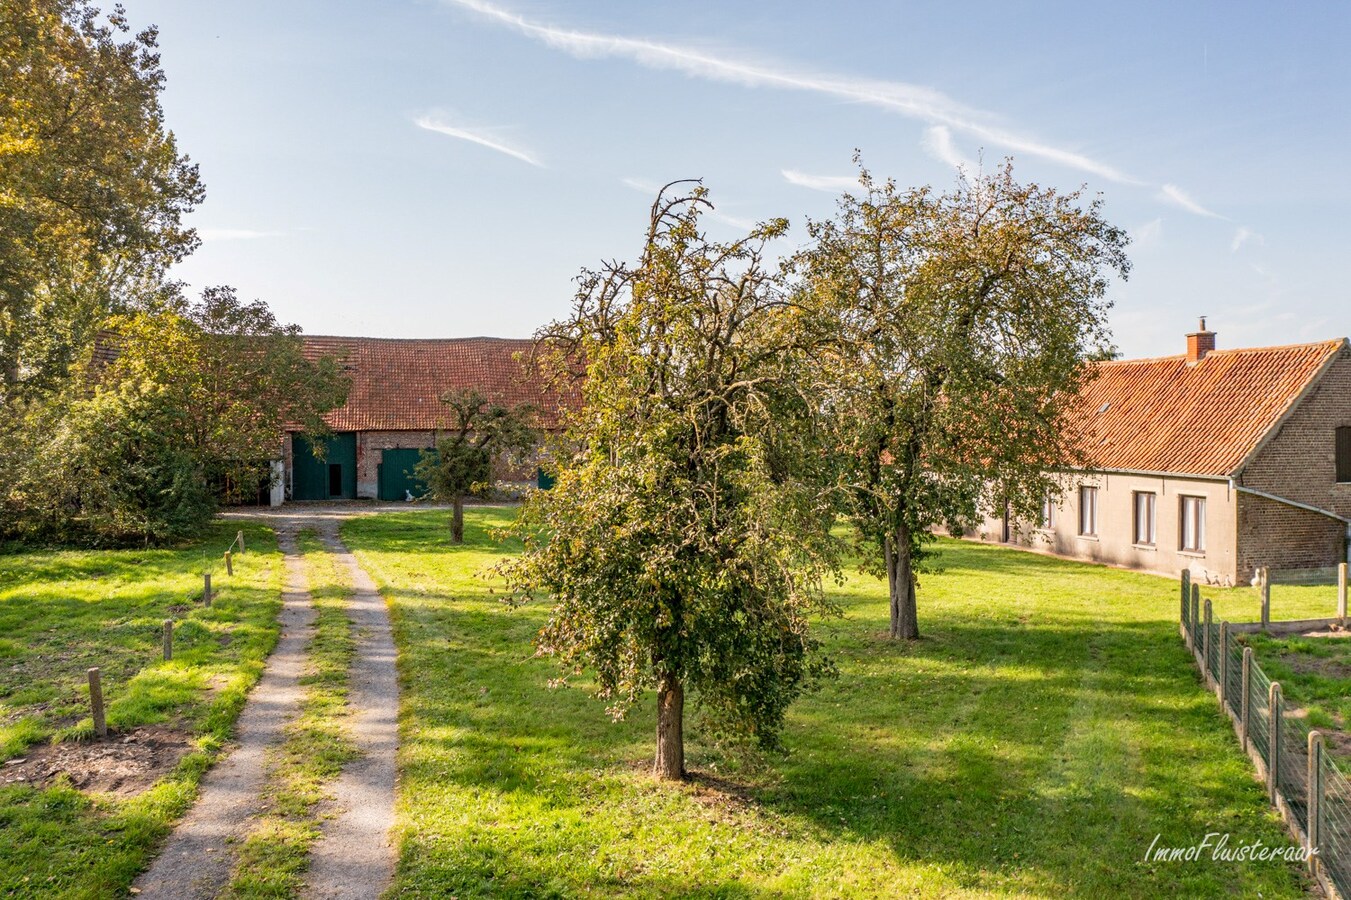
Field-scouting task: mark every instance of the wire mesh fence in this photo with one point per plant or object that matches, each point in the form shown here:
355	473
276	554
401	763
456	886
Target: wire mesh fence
1313	793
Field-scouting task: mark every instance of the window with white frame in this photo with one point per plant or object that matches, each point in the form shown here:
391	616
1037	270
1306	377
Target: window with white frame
1193	524
1144	517
1088	511
1048	513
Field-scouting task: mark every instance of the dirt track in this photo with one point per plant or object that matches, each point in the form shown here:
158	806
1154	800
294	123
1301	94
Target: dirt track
355	856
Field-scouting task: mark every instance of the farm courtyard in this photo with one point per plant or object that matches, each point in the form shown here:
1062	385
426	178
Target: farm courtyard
1046	729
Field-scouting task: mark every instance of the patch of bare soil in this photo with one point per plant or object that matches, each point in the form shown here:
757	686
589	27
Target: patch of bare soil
123	765
1333	630
1305	664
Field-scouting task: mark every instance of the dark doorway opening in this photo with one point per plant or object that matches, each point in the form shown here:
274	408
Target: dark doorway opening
335	479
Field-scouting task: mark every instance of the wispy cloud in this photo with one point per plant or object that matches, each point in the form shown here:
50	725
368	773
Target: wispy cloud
832	184
481	136
1147	233
1171	193
914	101
235	234
1243	235
938	144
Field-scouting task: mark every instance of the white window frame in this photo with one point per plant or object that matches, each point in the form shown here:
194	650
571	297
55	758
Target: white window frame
1088	510
1191	523
1048	514
1144	518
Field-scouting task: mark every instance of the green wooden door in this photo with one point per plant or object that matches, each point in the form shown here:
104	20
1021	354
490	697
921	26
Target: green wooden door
332	478
396	474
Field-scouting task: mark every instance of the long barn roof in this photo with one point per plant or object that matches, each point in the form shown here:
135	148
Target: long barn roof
397	383
1202	418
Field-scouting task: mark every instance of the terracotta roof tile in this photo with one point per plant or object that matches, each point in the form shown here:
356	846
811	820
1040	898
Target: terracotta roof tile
1163	415
397	383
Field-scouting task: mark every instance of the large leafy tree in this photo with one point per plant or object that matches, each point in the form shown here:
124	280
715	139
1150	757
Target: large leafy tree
183	405
682	544
478	433
962	323
236	377
92	187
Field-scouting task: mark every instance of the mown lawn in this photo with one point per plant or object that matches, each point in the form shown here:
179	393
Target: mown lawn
62	612
1046	729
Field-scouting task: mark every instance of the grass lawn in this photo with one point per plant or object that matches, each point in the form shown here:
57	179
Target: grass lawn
62	612
1315	677
1049	725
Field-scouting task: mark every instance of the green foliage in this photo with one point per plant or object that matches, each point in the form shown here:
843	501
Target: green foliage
193	407
961	325
235	377
678	547
92	187
479	431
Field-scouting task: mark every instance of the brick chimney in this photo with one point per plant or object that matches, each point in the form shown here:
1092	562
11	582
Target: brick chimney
1200	343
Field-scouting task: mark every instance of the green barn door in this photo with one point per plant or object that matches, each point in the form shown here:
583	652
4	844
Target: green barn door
332	478
396	474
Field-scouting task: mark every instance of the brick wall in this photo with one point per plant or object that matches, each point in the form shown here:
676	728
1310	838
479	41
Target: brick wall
369	445
1299	463
1284	537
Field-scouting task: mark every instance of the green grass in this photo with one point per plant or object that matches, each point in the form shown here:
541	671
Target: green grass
62	612
1315	677
1049	725
273	858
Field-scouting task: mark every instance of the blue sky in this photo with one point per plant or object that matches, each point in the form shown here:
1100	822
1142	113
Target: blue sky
445	167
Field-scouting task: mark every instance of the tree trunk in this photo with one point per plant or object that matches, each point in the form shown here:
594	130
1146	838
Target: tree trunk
670	762
901	586
457	521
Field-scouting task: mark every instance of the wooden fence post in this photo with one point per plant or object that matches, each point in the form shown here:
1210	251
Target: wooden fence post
96	703
229	564
1245	700
168	639
1315	800
1273	738
1224	665
206	588
1341	593
1205	646
1266	598
239	536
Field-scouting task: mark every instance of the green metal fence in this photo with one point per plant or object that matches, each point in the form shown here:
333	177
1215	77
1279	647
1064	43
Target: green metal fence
1302	779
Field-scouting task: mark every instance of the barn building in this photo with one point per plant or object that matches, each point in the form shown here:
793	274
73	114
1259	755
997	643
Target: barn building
394	409
1217	461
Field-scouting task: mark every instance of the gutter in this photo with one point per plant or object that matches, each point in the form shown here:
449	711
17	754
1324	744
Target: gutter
1288	502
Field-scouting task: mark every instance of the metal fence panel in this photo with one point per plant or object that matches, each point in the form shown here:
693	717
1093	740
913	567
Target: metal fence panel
1335	827
1233	676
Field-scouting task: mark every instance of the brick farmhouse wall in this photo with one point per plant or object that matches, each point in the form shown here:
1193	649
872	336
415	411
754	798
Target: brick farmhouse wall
1281	536
369	447
1298	463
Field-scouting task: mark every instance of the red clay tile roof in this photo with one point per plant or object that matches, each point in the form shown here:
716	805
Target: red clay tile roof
1163	415
397	383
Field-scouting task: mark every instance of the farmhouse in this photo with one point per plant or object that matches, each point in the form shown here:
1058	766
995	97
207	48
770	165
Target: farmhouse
394	409
1219	461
